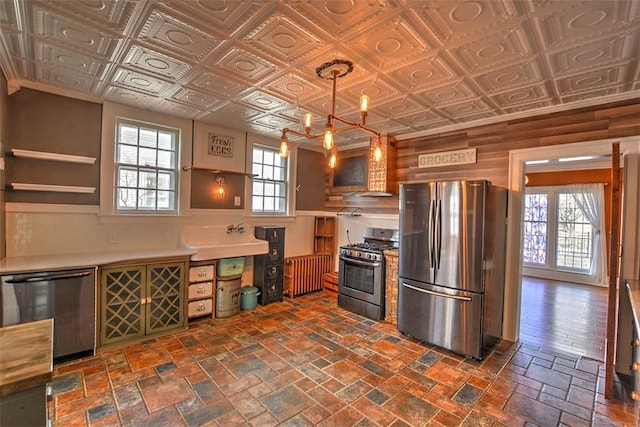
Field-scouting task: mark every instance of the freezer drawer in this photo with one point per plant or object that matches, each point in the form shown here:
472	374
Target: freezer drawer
442	316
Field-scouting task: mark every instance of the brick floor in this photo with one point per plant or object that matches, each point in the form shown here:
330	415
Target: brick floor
308	362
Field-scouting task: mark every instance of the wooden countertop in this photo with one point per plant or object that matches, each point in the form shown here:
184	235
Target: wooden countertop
26	356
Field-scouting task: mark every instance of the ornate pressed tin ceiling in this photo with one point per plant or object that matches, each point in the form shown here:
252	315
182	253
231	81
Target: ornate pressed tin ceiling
426	65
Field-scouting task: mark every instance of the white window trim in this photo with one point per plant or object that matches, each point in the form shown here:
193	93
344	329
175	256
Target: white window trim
110	114
290	178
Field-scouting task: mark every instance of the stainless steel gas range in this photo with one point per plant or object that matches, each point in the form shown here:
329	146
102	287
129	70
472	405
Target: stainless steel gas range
361	286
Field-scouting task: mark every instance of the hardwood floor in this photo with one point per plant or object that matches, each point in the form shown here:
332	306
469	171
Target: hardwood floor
564	316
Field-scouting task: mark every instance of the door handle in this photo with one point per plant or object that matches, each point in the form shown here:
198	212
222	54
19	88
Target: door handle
34	279
363	263
432	229
438	294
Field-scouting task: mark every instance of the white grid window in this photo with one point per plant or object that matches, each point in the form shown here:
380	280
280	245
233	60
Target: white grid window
269	189
146	168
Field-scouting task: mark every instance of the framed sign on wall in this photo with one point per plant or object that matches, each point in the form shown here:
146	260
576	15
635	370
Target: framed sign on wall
218	148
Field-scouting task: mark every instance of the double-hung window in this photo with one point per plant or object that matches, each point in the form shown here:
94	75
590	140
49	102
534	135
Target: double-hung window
142	154
269	188
146	167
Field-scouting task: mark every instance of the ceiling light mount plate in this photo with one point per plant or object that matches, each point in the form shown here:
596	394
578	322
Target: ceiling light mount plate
334	69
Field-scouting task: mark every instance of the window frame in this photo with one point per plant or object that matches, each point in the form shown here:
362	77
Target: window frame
289	178
112	114
551	269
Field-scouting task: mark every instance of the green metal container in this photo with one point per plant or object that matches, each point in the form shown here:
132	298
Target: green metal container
249	297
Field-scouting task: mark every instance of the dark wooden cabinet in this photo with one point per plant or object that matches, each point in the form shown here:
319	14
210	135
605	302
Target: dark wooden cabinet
268	268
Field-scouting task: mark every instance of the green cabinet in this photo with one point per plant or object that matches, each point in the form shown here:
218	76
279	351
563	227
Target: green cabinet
142	300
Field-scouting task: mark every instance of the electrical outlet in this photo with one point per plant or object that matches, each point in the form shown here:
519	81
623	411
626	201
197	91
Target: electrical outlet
112	237
236	201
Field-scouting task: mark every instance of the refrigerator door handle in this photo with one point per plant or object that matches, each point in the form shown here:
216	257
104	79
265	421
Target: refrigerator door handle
438	294
439	233
431	241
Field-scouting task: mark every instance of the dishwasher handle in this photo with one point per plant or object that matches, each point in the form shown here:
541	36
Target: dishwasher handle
34	279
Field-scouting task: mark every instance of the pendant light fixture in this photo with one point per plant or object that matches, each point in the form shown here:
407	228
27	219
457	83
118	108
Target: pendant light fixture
331	71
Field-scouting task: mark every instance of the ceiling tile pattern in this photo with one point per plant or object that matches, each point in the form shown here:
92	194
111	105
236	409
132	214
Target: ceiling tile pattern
250	64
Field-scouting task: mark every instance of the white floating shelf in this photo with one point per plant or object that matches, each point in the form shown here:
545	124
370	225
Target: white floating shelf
52	188
42	155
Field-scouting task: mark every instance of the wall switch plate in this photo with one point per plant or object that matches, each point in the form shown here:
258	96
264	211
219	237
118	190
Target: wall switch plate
236	201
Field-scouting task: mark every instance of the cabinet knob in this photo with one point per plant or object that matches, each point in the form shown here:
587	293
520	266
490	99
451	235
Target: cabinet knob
635	366
636	342
635	395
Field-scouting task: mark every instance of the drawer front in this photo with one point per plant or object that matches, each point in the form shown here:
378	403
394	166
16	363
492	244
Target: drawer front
201	290
276	253
273	271
202	273
200	307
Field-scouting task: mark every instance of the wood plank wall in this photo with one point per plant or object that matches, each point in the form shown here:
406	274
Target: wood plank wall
493	143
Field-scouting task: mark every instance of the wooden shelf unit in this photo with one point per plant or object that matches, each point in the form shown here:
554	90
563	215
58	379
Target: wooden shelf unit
324	235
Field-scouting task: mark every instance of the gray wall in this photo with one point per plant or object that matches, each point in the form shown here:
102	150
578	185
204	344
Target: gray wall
310	180
41	121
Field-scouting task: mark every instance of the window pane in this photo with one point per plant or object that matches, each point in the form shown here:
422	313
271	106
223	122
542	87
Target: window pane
148	179
268	157
278	174
127	177
575	236
147	157
147	199
148	138
258	188
256	169
127	198
128	134
165	200
166	159
165	181
127	154
267	172
166	141
535	229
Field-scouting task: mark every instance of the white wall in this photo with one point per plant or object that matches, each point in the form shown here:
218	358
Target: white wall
34	230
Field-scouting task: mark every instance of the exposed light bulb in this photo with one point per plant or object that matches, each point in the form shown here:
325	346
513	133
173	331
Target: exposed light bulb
377	154
284	145
307	121
364	103
327	142
332	159
220	190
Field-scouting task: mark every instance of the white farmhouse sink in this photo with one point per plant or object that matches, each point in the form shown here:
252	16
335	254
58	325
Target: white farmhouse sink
213	242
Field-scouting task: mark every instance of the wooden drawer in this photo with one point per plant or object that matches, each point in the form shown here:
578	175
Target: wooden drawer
200	307
202	273
200	290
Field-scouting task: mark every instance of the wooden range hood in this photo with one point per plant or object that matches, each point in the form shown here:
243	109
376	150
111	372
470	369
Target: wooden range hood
381	179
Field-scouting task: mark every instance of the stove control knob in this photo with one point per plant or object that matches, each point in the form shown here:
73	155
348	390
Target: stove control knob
369	256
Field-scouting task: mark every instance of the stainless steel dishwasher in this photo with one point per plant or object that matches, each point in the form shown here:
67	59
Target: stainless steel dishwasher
67	296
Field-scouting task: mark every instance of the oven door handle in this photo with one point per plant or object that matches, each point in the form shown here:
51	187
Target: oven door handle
358	262
438	294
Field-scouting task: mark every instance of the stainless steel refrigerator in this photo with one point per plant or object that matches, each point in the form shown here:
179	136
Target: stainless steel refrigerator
451	264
